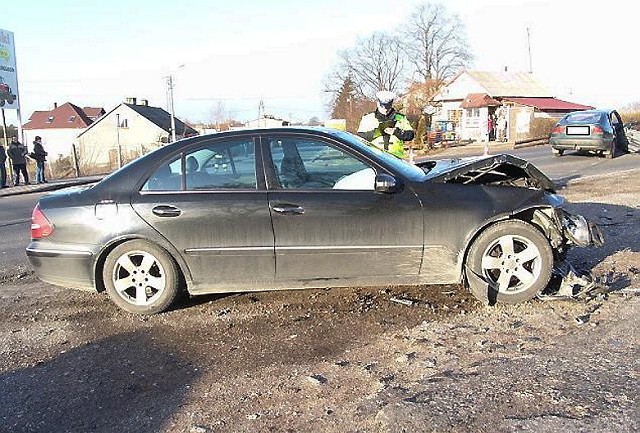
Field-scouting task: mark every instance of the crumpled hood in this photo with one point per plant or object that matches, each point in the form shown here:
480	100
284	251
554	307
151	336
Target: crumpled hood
500	169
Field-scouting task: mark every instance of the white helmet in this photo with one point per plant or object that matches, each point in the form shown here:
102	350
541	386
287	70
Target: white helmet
385	100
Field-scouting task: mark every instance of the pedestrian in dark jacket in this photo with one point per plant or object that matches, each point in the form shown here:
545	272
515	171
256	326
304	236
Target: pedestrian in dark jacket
18	153
40	156
3	168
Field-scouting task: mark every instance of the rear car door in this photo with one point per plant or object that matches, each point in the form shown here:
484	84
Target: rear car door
328	221
210	202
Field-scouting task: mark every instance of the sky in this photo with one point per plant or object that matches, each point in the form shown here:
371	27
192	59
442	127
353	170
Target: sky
232	54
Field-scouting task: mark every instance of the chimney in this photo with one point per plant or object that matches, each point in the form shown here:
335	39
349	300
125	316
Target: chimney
505	69
131	101
55	105
144	102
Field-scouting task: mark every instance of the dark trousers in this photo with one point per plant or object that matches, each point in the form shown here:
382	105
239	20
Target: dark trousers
17	168
3	175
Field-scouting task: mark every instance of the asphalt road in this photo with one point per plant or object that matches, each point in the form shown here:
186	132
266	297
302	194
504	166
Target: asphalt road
15	224
15	211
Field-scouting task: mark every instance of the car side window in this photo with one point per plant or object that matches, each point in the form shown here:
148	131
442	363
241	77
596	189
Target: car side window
308	163
166	178
230	164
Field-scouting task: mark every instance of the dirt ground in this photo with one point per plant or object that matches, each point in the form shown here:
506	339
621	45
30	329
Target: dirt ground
347	360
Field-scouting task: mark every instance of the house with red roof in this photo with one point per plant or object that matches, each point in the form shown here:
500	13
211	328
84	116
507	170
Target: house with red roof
59	127
476	101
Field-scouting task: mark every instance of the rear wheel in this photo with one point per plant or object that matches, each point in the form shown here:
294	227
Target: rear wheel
557	152
141	277
510	262
612	151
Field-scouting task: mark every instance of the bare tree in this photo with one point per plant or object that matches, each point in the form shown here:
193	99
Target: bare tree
218	113
375	63
435	43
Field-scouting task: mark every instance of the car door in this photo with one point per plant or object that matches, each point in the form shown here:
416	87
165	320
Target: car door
328	221
618	129
214	210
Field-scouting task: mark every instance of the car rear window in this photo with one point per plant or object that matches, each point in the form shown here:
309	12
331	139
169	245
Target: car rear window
583	118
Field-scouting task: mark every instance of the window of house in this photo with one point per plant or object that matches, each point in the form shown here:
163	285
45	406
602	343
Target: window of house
124	123
50	119
72	118
476	112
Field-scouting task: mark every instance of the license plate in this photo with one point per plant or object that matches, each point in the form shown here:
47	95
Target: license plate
578	130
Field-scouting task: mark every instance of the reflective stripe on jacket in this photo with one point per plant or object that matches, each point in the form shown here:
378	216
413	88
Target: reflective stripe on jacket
370	125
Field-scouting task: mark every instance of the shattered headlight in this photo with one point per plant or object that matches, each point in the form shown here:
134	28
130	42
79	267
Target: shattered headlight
580	231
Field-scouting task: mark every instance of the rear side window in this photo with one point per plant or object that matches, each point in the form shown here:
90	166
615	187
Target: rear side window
167	177
220	165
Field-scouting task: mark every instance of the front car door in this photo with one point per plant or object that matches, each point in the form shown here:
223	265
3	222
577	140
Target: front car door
329	223
210	202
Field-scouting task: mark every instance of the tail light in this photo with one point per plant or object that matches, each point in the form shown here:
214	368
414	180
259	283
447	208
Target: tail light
596	130
40	225
558	130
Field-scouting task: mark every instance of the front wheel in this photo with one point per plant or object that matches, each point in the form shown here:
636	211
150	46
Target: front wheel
557	152
141	277
511	261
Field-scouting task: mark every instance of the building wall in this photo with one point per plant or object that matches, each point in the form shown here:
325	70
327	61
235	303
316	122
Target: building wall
57	142
98	146
459	89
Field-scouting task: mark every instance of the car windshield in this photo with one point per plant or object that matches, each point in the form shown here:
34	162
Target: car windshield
398	165
583	118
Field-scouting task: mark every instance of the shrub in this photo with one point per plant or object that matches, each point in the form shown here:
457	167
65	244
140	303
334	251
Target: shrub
630	116
541	127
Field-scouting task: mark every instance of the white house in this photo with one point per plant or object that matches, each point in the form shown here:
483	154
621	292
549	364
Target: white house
473	97
59	127
131	129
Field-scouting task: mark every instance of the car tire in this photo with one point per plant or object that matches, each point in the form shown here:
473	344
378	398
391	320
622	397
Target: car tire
557	152
141	277
509	262
612	152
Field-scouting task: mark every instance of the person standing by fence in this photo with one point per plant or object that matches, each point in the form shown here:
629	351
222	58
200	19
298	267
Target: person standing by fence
40	156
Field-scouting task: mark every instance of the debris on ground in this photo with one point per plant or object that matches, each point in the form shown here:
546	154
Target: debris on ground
403	301
572	285
317	379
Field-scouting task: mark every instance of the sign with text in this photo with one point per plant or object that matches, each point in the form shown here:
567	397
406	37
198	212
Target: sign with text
8	74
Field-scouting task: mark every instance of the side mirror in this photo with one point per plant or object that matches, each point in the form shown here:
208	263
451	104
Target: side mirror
387	184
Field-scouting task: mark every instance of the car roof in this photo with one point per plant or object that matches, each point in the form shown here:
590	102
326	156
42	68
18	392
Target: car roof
606	111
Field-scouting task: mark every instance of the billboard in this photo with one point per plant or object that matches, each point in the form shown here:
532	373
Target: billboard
8	74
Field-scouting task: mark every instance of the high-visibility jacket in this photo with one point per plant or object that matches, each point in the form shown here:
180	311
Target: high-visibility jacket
372	128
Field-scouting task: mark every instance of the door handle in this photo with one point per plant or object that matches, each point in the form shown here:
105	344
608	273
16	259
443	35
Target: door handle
166	211
288	209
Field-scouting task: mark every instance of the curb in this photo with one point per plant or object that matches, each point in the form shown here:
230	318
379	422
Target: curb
46	187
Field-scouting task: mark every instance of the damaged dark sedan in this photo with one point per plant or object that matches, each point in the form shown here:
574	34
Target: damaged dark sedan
292	208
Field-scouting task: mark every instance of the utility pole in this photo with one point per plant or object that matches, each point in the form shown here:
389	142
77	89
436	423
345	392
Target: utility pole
529	48
171	109
261	121
6	142
118	140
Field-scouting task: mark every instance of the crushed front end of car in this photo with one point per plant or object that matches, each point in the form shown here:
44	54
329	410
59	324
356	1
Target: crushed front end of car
528	195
